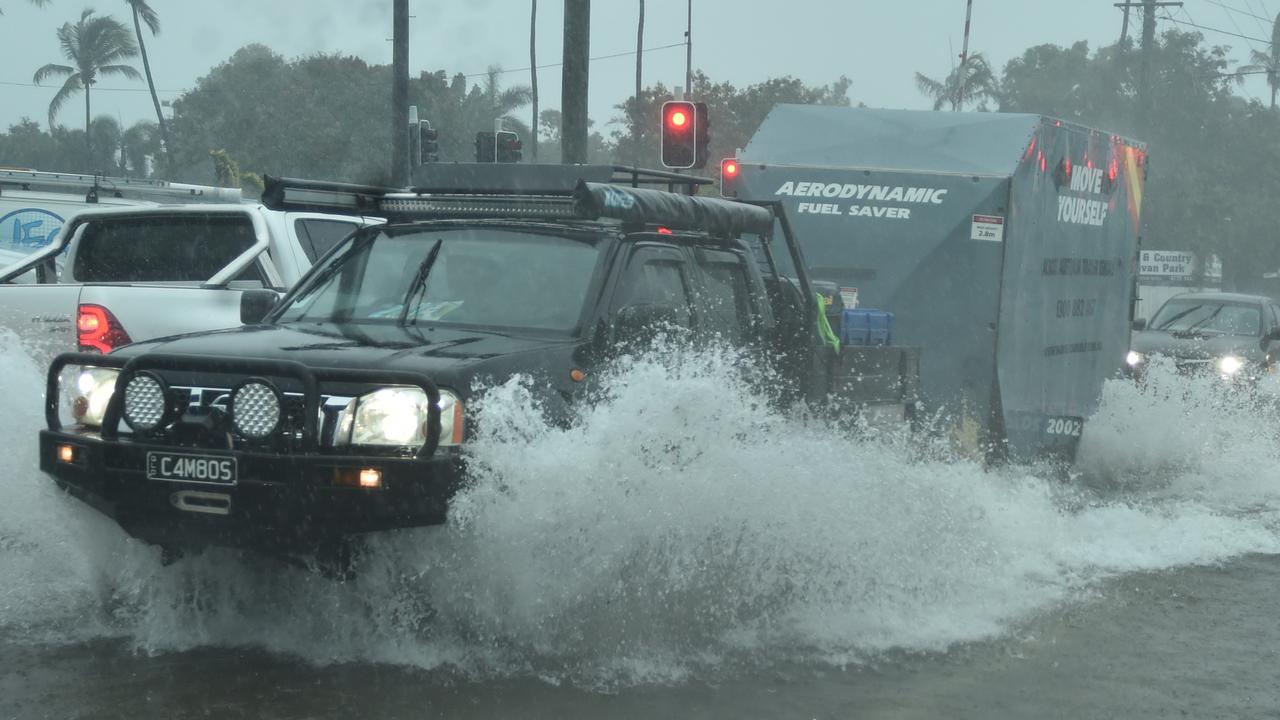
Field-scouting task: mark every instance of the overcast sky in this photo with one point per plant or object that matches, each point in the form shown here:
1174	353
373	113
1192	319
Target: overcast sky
878	44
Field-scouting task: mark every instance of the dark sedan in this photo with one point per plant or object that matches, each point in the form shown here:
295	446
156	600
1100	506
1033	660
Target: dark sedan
1229	335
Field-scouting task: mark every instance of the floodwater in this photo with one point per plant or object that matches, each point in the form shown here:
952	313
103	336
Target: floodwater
689	552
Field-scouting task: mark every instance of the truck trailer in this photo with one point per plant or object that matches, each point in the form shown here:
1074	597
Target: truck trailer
1005	245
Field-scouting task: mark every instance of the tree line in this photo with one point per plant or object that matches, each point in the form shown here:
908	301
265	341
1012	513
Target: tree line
1215	153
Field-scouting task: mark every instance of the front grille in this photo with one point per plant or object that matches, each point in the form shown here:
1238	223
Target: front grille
200	418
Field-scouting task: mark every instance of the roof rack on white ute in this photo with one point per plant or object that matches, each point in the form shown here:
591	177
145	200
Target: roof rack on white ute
94	186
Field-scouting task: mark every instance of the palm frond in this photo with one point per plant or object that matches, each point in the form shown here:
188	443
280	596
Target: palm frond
147	13
126	70
51	69
69	88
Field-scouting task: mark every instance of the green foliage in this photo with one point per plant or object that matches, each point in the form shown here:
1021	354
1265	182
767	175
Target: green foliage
1215	157
226	172
974	78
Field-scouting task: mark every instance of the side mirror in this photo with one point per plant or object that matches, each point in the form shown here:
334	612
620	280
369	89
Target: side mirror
640	324
1272	336
1140	324
255	304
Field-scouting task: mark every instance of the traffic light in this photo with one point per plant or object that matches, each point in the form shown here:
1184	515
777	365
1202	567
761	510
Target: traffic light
679	134
428	143
729	169
486	147
508	147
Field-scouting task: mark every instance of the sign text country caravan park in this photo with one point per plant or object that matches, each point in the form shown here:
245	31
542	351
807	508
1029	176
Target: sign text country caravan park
863	193
1167	263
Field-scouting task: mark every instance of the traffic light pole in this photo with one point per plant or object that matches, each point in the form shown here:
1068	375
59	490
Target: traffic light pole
574	81
400	93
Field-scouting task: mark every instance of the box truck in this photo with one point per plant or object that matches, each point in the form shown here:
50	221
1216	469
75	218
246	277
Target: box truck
1005	245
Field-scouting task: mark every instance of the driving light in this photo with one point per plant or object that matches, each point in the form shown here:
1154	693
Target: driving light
255	409
1230	365
144	402
397	417
94	388
1133	358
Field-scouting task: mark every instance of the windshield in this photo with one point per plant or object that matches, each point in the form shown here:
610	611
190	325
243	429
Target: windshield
484	277
1214	317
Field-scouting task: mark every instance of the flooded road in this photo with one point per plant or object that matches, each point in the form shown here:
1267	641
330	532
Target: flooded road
1196	642
692	553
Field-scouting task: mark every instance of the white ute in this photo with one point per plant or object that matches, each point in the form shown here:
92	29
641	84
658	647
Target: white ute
124	274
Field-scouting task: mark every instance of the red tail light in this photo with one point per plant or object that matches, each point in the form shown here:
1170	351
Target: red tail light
99	330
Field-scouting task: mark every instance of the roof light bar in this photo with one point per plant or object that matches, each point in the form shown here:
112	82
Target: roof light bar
480	206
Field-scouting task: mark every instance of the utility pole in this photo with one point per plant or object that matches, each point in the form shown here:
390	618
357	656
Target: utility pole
964	56
533	74
574	80
400	93
688	52
1149	8
637	122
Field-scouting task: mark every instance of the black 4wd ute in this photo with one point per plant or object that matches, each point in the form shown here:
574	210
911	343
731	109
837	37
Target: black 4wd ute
345	409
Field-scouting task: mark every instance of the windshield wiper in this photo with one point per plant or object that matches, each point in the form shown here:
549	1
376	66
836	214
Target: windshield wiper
419	283
1193	328
1165	325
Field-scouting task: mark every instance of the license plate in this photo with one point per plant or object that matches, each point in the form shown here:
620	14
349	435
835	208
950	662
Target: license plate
179	467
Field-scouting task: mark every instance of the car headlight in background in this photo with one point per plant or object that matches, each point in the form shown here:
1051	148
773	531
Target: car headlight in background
1133	359
93	391
1230	365
397	417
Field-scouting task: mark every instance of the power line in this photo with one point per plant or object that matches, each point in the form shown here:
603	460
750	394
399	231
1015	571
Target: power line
504	71
1228	8
95	88
1172	19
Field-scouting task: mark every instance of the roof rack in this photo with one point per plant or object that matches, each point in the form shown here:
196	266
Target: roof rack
95	186
553	197
533	179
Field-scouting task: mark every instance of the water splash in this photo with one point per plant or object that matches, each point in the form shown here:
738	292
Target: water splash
678	526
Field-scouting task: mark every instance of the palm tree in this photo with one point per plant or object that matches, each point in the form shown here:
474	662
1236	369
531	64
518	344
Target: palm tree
144	13
974	78
95	45
37	3
500	101
1267	62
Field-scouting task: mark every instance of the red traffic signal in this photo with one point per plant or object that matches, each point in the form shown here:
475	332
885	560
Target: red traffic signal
679	134
729	169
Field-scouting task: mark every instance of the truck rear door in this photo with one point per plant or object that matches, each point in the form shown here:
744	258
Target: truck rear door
42	316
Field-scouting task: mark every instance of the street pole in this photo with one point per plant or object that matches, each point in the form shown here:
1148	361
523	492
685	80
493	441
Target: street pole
1149	8
688	52
400	93
637	121
533	75
964	55
574	80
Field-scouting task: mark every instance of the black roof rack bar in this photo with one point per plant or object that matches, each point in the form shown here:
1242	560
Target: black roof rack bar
642	176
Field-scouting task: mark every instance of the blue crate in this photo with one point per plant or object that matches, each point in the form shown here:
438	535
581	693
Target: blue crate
866	326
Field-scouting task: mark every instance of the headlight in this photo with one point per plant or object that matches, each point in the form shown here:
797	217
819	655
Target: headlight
93	391
1133	359
1230	365
397	417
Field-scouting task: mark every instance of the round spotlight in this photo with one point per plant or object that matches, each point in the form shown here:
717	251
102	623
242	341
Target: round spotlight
255	409
144	402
